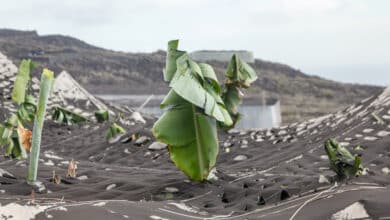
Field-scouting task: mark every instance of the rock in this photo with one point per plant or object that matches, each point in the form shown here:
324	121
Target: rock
49	163
83	177
383	133
282	132
244	146
323	179
142	140
370	138
259	140
324	157
244	142
358	135
126	151
171	189
240	158
354	211
386	117
347	139
368	130
147	154
233	131
157	146
111	186
227	144
242	133
137	117
385	170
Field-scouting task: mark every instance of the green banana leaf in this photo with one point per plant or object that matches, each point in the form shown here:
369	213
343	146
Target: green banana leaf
193	107
114	130
10	138
27	109
341	161
65	116
22	80
102	116
191	137
172	55
238	75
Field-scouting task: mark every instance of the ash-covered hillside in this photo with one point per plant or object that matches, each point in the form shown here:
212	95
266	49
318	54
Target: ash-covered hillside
106	71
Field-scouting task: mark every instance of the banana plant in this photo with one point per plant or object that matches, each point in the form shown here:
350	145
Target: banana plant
13	135
342	161
238	75
193	107
47	80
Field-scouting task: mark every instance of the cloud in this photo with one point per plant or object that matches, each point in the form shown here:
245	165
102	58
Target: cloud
312	7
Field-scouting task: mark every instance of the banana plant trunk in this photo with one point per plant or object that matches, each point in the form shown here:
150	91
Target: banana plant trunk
47	79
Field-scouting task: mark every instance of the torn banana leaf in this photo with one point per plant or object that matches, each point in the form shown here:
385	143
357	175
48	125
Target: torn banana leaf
238	75
114	131
65	116
193	107
27	109
22	80
14	137
102	116
342	161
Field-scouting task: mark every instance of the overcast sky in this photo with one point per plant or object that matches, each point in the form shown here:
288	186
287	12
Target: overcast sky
344	40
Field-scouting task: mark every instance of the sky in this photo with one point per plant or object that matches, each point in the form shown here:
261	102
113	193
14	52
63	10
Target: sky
343	40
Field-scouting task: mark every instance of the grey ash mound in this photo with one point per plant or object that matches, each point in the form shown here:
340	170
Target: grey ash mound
262	174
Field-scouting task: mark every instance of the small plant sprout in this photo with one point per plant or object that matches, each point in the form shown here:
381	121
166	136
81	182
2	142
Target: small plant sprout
342	161
194	106
47	80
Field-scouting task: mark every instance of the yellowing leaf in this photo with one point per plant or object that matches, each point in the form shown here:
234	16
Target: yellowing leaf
25	136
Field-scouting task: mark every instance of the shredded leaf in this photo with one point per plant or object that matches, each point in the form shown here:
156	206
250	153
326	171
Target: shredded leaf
342	161
114	130
194	105
65	116
25	136
72	167
102	116
22	80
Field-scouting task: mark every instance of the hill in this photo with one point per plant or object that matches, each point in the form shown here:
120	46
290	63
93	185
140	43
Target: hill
106	71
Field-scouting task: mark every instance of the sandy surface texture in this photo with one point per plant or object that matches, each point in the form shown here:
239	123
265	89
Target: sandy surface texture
281	173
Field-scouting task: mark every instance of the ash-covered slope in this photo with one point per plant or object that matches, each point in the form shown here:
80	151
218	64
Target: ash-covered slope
105	71
262	174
